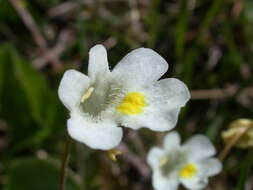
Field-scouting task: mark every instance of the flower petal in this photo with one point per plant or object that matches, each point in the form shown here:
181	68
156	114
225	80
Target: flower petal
72	87
154	119
195	183
98	63
165	99
161	182
171	141
154	156
141	66
211	166
169	93
205	168
199	147
102	135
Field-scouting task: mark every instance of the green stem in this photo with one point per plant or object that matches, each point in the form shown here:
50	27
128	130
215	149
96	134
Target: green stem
64	164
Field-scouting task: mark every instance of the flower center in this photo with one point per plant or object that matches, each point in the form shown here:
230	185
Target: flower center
171	162
133	103
188	171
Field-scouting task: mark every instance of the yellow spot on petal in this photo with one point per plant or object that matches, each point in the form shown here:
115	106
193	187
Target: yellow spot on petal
113	153
188	171
87	94
133	103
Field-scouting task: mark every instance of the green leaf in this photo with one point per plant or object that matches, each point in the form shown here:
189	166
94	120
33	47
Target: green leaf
213	128
7	12
42	101
214	9
30	173
246	166
181	29
31	109
4	60
33	85
14	109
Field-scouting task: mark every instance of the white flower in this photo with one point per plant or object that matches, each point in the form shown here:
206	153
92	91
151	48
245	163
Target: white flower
130	96
190	164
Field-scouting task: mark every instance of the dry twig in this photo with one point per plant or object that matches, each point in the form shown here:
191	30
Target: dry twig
29	22
134	160
65	38
34	30
63	9
64	164
220	93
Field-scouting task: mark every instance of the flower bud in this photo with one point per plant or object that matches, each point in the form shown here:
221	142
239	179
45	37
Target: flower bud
241	128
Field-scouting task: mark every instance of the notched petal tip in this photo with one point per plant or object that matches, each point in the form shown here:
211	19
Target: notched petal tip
141	66
150	55
174	90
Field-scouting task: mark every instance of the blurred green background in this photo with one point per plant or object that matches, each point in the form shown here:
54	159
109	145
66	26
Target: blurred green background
208	45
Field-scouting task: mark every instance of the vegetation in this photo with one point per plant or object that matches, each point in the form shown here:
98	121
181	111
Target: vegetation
208	45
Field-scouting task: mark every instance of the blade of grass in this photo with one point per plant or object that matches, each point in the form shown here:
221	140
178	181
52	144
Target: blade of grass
210	16
245	170
181	29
